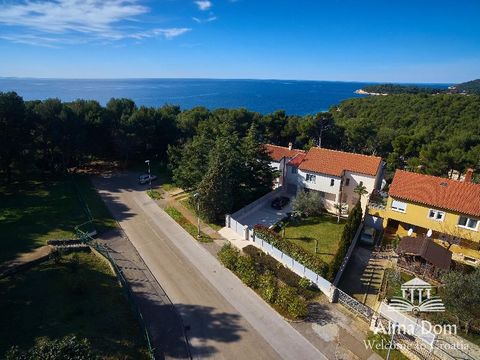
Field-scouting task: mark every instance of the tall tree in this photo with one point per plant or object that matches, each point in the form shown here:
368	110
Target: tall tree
256	173
14	133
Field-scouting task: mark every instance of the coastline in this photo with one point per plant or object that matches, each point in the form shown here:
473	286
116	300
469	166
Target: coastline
363	92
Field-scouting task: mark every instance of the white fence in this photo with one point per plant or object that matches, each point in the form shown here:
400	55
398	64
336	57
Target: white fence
324	285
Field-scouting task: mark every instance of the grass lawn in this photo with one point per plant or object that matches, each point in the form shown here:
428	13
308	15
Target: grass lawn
322	228
35	211
383	341
188	204
83	299
187	225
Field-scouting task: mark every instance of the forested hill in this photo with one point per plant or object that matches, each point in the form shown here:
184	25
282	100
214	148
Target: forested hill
470	87
393	89
429	133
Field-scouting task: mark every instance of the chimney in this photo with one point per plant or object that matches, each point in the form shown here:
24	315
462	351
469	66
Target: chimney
468	176
290	146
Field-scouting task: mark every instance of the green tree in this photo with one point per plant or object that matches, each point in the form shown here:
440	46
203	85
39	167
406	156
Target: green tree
461	293
308	203
14	134
257	175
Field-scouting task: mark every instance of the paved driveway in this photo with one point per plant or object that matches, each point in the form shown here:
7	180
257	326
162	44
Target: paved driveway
265	215
227	320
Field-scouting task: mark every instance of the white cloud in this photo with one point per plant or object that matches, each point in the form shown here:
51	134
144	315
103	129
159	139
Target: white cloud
205	20
61	21
166	33
203	4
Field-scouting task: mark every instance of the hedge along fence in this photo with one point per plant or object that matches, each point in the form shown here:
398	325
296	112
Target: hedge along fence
293	250
351	226
306	258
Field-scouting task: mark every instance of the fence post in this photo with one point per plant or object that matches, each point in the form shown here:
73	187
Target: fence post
333	294
245	232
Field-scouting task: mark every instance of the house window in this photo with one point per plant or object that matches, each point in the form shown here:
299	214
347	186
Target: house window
467	223
436	215
332	182
311	178
399	206
347	181
294	170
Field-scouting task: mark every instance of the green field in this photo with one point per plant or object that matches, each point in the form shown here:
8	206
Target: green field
32	212
81	298
324	229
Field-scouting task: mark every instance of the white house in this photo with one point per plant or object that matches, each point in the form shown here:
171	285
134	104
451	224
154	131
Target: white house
280	157
334	174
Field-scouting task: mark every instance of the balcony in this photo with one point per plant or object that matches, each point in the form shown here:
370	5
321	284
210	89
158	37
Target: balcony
378	200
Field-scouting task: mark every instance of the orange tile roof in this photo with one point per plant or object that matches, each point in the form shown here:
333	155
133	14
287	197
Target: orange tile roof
333	162
462	197
279	152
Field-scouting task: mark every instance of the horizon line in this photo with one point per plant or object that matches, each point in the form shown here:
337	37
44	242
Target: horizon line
226	79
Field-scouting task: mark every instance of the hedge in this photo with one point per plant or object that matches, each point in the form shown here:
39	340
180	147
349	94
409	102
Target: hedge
351	226
293	250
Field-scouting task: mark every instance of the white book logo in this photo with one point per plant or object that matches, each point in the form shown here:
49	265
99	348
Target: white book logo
416	297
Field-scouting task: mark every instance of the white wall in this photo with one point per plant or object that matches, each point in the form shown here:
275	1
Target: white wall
322	183
368	181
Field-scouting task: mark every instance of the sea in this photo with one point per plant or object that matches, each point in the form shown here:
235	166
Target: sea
295	97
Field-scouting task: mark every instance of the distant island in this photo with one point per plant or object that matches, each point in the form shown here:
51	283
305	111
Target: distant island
470	87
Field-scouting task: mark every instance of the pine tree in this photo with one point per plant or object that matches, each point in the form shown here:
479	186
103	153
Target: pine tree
218	187
257	175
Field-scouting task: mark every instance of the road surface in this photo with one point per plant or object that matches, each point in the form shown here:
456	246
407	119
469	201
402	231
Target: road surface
226	319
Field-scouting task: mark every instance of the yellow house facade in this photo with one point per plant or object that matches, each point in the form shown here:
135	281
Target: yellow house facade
443	209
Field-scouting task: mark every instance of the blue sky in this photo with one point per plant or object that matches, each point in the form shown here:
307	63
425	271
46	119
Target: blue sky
401	41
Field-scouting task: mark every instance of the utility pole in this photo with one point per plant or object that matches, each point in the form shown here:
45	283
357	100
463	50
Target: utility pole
196	196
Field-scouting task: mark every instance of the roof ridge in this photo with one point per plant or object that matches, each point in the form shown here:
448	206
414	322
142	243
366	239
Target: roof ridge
286	148
438	177
345	152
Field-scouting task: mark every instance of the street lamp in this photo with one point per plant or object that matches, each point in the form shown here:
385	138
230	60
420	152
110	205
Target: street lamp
149	175
196	196
394	325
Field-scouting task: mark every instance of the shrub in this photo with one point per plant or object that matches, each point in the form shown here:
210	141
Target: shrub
68	348
308	203
267	263
245	269
293	250
297	308
285	295
268	286
228	256
74	263
304	283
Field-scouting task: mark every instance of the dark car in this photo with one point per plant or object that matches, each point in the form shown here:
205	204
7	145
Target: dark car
280	202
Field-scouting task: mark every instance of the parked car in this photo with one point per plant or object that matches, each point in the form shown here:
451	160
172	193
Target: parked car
280	202
145	178
368	235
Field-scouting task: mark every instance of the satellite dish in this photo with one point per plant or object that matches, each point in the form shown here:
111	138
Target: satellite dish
429	233
410	232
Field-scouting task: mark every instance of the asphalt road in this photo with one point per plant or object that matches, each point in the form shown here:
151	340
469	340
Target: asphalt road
226	319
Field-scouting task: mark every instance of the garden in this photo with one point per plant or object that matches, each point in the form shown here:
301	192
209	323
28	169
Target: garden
284	290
